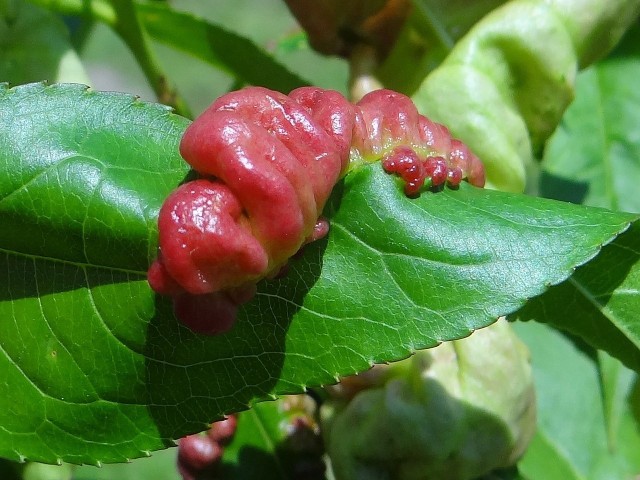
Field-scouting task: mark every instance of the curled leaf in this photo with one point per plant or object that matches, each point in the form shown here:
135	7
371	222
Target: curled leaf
505	85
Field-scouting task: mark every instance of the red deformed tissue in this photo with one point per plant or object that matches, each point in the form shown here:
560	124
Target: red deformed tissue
267	163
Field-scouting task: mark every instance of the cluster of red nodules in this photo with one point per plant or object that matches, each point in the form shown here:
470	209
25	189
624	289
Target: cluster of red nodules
413	170
429	172
200	454
266	165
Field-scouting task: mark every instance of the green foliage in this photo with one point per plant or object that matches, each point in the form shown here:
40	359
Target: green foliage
593	159
97	370
459	410
213	44
580	434
35	45
593	156
79	215
432	30
504	86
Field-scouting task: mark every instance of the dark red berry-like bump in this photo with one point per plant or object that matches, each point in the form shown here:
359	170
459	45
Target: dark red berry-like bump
197	452
454	176
224	430
199	455
437	170
404	162
208	313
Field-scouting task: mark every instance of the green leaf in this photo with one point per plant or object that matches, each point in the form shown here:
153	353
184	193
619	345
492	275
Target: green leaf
82	178
600	302
35	46
98	368
593	156
572	442
593	159
505	85
429	34
84	174
615	381
217	46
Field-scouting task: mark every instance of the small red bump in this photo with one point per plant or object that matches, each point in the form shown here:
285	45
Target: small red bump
436	168
454	177
161	281
476	174
198	452
404	162
224	430
320	230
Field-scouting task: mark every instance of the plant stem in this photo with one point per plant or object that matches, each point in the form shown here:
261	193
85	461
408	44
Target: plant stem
362	65
130	29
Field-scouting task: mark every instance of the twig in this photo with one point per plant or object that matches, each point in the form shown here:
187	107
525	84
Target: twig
130	29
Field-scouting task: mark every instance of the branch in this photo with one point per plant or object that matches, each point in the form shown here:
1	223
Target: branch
128	26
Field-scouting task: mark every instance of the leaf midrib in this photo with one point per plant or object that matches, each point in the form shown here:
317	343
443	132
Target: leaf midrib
82	265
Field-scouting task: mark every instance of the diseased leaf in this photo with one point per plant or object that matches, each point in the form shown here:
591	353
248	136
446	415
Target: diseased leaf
594	156
217	46
572	442
82	176
505	85
98	368
429	34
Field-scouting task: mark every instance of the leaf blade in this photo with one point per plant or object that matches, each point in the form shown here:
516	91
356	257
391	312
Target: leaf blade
592	158
126	378
217	46
572	440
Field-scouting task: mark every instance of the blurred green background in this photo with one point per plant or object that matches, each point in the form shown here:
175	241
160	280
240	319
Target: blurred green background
268	23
